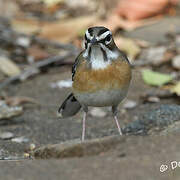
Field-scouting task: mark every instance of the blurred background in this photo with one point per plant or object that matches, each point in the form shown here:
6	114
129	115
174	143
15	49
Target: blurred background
39	40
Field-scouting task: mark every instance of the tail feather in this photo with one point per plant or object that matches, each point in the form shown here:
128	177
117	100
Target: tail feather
69	107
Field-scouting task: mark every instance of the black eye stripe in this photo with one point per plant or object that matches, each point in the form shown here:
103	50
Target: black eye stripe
101	41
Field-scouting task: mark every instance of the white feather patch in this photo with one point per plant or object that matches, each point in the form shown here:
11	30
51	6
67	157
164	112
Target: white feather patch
85	54
102	36
97	59
88	35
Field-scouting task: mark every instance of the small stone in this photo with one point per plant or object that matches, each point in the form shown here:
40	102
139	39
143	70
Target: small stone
32	147
26	155
8	67
129	104
23	41
176	62
7	112
155	55
6	135
97	112
21	139
123	111
62	84
153	99
159	117
2	152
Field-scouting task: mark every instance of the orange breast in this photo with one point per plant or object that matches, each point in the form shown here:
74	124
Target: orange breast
115	76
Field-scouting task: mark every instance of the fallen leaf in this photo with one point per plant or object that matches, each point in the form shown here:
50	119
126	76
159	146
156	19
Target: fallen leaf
114	22
8	8
176	62
8	67
66	30
140	9
37	53
26	26
52	2
155	55
129	46
155	78
176	89
7	112
19	100
142	43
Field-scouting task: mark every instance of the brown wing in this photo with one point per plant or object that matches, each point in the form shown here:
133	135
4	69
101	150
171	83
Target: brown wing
76	63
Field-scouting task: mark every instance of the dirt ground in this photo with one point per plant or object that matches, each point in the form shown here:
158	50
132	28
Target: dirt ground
136	157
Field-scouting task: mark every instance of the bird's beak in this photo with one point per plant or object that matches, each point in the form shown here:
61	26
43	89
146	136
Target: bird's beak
94	41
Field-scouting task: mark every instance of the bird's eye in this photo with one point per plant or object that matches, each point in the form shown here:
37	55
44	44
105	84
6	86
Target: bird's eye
108	38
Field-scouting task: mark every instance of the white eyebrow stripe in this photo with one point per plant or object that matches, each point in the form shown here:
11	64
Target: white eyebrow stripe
88	35
102	36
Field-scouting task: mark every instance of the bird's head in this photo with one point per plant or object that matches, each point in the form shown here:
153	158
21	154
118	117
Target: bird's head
98	36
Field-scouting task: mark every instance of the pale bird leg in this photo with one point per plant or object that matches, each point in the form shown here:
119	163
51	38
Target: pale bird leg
84	126
117	123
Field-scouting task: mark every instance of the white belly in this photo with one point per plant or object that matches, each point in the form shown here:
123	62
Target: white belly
101	98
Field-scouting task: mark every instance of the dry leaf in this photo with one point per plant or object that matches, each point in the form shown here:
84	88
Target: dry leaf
7	112
66	30
8	8
52	2
155	78
176	62
26	26
37	53
8	67
128	46
157	55
19	100
176	89
62	30
140	9
115	22
142	43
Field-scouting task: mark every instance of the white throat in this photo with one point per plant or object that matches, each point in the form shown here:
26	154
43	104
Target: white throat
97	58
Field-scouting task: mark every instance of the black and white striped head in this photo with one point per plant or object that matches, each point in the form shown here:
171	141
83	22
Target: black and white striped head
98	36
100	48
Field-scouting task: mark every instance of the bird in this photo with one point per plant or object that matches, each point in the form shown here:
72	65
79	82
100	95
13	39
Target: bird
101	75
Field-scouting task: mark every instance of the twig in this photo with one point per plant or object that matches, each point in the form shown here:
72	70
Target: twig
34	69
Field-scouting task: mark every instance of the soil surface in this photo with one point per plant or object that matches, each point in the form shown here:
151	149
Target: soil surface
134	156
